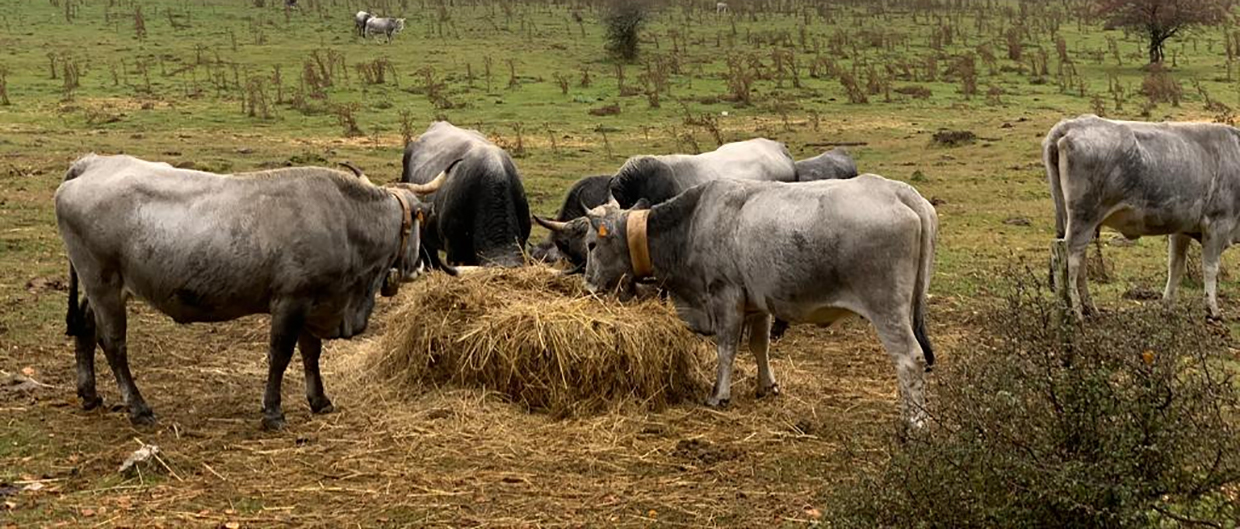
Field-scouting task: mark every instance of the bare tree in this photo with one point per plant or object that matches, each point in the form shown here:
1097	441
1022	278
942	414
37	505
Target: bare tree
1163	19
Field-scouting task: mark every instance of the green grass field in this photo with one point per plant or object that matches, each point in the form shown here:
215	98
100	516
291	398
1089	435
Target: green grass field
225	86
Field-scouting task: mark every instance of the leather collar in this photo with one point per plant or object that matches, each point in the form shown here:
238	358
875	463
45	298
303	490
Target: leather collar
639	245
406	225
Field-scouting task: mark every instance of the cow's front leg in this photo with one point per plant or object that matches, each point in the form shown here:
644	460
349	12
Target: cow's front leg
286	326
1211	251
729	322
759	345
311	348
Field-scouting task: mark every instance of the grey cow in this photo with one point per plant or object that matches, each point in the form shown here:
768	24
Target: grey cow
732	254
386	26
1176	179
835	164
359	21
310	246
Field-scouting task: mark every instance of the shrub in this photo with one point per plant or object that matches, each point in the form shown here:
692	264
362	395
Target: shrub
1126	421
623	21
1160	87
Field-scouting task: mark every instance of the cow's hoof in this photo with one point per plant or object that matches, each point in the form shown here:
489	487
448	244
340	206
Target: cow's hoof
717	403
90	403
274	423
1214	319
322	406
772	391
144	417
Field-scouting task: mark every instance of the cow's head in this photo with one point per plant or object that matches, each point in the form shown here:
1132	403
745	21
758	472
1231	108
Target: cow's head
569	239
413	214
609	264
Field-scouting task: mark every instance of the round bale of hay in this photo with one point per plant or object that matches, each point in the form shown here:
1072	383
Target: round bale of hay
539	338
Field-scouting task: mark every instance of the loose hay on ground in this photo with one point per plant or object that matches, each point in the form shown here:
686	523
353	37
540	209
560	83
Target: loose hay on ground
540	339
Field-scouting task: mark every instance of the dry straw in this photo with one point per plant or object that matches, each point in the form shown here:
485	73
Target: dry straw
540	339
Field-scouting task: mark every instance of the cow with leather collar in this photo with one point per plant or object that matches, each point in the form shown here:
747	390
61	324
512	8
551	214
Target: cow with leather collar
732	254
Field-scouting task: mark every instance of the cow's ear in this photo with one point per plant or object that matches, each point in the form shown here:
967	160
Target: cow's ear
642	204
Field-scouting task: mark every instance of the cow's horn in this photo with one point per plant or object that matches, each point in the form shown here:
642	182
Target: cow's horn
429	187
357	171
552	225
433	185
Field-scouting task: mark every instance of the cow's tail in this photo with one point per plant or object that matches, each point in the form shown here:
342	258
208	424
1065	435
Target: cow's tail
75	316
925	271
1053	158
406	162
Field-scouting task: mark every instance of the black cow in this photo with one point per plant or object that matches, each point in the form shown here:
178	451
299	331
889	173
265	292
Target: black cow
481	216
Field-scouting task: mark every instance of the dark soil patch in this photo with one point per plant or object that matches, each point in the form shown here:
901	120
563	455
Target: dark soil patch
954	138
704	452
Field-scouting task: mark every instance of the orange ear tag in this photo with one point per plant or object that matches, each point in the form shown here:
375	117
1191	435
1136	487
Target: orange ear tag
602	230
421	216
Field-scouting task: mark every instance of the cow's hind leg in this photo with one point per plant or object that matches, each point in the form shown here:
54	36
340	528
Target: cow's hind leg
1080	233
285	328
729	322
311	348
85	341
896	333
109	308
1177	247
1212	247
760	345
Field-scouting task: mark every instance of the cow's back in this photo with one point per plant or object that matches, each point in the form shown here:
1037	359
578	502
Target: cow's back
442	144
755	159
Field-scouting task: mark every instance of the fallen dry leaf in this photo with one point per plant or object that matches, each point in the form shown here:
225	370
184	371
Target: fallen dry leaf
812	512
232	525
28	371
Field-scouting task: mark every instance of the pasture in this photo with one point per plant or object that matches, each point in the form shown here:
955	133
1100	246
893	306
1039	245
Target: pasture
240	85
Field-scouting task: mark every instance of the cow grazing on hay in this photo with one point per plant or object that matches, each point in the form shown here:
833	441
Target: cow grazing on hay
481	214
732	254
659	178
310	246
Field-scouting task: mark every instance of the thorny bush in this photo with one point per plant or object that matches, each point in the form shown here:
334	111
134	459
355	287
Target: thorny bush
1126	420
